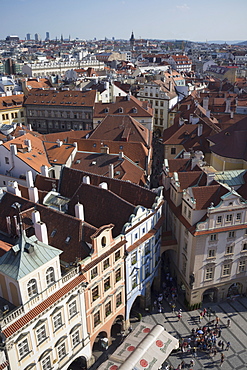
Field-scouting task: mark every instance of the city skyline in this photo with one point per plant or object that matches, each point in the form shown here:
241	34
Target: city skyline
99	19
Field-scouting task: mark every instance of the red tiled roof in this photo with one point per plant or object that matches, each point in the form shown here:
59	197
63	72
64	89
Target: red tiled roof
46	304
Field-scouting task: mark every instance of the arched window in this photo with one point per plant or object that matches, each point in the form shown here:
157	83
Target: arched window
50	276
103	241
32	288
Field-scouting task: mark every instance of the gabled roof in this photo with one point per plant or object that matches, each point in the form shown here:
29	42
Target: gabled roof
191	178
205	195
11	102
98	163
57	154
21	260
122	128
66	98
36	157
231	142
127	103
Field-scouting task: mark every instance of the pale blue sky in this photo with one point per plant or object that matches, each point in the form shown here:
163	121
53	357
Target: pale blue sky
179	19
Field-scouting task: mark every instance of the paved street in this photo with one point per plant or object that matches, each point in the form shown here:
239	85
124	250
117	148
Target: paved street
235	357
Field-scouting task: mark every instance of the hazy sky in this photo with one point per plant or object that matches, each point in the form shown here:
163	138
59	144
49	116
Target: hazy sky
186	19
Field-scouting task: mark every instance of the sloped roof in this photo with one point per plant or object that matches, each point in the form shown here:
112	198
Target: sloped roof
122	128
11	102
205	195
191	178
19	261
58	154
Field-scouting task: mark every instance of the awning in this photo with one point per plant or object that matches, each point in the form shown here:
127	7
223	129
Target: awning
147	347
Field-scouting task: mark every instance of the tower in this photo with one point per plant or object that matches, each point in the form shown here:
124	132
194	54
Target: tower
132	41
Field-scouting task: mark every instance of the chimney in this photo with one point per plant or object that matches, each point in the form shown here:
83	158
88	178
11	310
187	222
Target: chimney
59	142
79	211
111	171
86	180
13	188
208	113
29	126
199	129
186	155
198	158
210	178
28	143
13	149
35	217
29	179
44	171
188	107
181	121
205	102
75	145
8	223
105	149
41	232
191	117
121	155
231	115
33	194
103	185
228	105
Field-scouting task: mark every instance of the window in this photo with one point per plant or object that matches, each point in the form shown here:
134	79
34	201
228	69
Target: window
75	338
118	299
6	160
211	253
241	266
228	218
117	255
61	350
94	272
147	270
173	150
72	309
213	237
184	265
147	249
32	288
46	363
189	214
103	241
209	273
219	219
41	334
23	348
244	247
118	275
185	210
96	319
133	281
238	217
226	269
231	234
95	293
107	284
57	321
108	308
106	263
229	249
50	276
133	258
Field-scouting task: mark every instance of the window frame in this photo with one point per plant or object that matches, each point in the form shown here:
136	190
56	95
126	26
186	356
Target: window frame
209	273
32	288
44	365
57	321
41	334
75	334
72	308
50	276
61	347
23	348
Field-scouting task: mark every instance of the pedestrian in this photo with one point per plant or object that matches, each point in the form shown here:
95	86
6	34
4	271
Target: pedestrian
179	316
222	345
219	343
219	333
173	306
222	359
214	351
217	319
182	365
192	362
229	323
227	345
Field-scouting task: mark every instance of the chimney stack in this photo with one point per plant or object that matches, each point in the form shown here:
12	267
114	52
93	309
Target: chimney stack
105	149
210	178
29	179
28	143
199	129
103	185
33	194
205	102
86	180
79	211
44	171
41	232
13	188
35	216
111	171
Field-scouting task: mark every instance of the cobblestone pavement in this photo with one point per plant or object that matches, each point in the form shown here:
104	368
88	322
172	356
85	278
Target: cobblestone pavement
235	357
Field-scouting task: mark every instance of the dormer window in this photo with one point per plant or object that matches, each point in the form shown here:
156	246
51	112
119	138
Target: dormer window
32	288
50	276
134	110
106	110
120	110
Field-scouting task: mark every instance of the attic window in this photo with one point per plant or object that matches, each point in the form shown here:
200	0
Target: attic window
106	110
94	145
77	161
120	110
53	233
67	240
227	133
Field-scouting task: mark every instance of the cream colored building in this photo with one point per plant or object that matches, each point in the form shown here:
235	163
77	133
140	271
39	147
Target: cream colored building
44	325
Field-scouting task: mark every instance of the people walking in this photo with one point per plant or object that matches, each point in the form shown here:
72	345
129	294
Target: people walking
192	362
219	333
222	359
228	345
228	323
222	345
